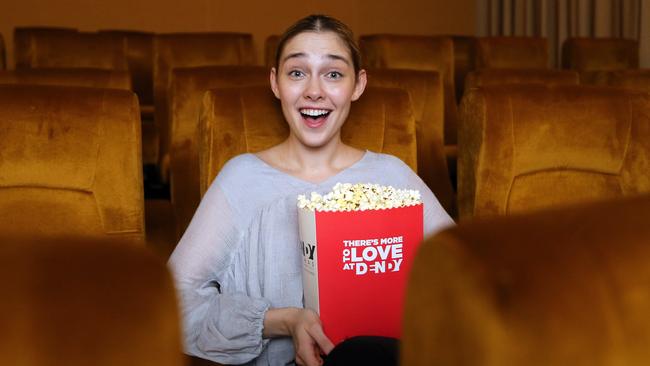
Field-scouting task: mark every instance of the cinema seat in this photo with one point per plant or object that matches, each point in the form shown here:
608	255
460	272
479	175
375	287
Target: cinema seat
24	48
593	56
558	287
512	53
80	302
70	163
381	121
638	79
487	77
176	50
3	54
270	46
185	95
528	147
75	49
139	56
464	61
92	78
426	94
425	53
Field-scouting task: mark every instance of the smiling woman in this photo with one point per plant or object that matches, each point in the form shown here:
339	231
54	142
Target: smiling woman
316	78
238	265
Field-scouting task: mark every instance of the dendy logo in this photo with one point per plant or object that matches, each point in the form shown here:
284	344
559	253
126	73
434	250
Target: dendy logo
308	250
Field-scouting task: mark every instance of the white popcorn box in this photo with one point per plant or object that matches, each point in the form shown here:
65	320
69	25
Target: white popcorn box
355	267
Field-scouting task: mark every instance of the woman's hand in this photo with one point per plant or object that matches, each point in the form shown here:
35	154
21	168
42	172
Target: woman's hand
304	327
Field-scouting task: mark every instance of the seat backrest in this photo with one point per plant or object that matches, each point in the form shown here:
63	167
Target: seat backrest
512	53
139	56
70	162
631	79
270	46
92	78
526	147
425	53
191	50
185	95
600	54
86	302
559	287
249	119
464	61
23	48
3	54
426	94
77	49
487	77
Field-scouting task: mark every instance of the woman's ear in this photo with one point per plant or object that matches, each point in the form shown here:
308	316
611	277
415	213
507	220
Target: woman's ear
360	85
274	82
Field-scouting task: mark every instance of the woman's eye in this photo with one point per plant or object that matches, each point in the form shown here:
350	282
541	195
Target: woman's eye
295	73
334	75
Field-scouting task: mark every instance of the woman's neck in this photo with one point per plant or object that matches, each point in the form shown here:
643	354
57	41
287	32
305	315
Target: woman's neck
311	164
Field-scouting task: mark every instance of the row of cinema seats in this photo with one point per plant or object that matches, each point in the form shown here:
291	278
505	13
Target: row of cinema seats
71	156
428	94
152	57
71	166
560	287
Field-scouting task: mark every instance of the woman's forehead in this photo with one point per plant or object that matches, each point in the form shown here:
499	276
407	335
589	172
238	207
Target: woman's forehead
316	44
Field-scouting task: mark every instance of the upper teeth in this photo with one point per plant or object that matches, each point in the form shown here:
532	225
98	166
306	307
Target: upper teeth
314	112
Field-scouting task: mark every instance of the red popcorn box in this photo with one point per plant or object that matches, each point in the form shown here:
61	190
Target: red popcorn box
355	268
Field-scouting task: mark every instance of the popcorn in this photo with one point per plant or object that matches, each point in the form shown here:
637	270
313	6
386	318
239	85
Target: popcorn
360	197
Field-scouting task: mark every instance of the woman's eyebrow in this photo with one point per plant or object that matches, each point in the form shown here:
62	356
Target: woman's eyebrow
294	55
338	57
330	56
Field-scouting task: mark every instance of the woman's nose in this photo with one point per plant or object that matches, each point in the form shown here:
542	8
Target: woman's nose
313	90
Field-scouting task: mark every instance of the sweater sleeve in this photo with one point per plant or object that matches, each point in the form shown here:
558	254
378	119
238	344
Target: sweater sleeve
219	323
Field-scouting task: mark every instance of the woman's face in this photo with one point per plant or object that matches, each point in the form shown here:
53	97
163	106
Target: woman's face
315	83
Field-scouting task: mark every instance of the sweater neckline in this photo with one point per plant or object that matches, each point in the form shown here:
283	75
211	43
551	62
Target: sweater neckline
366	155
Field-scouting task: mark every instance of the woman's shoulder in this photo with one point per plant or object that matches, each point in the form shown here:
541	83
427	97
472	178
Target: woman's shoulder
237	173
388	161
243	163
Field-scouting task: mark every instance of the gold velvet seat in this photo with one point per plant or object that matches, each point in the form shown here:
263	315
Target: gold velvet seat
92	78
381	121
560	287
464	61
638	79
139	56
426	94
425	53
592	57
74	49
70	162
86	302
23	46
488	77
584	54
176	50
270	46
526	147
512	53
3	54
185	95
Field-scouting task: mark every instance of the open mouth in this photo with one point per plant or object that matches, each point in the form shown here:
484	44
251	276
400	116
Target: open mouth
314	117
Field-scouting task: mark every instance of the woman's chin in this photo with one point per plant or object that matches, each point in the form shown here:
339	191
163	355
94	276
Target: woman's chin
314	140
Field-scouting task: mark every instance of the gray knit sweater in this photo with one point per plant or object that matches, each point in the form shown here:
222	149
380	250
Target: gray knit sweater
241	254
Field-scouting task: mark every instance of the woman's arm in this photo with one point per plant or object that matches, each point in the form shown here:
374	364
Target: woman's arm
223	326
